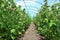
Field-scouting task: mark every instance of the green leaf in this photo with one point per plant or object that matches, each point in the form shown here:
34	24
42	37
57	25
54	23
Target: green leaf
13	30
13	37
51	23
11	0
20	33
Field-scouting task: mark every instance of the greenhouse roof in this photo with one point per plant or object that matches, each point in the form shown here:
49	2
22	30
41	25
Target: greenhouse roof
32	6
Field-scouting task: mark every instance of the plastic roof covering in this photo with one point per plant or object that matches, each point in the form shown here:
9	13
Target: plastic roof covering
31	6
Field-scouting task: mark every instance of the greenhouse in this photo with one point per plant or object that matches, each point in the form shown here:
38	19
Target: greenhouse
29	20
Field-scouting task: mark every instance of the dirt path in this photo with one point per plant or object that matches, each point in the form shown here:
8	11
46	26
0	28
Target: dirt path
31	34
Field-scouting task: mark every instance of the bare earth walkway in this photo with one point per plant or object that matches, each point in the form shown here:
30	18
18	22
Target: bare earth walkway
31	34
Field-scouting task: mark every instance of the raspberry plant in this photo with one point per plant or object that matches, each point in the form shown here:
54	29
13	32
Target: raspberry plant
47	21
13	20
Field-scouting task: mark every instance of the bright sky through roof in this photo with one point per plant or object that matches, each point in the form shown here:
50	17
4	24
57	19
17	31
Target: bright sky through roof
32	6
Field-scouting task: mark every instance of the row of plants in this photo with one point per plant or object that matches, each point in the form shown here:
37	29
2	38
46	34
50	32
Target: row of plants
13	20
48	21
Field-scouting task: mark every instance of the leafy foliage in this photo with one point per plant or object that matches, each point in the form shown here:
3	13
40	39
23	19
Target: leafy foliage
47	21
13	20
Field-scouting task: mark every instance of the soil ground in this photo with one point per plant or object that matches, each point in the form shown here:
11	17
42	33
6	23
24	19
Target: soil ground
31	33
